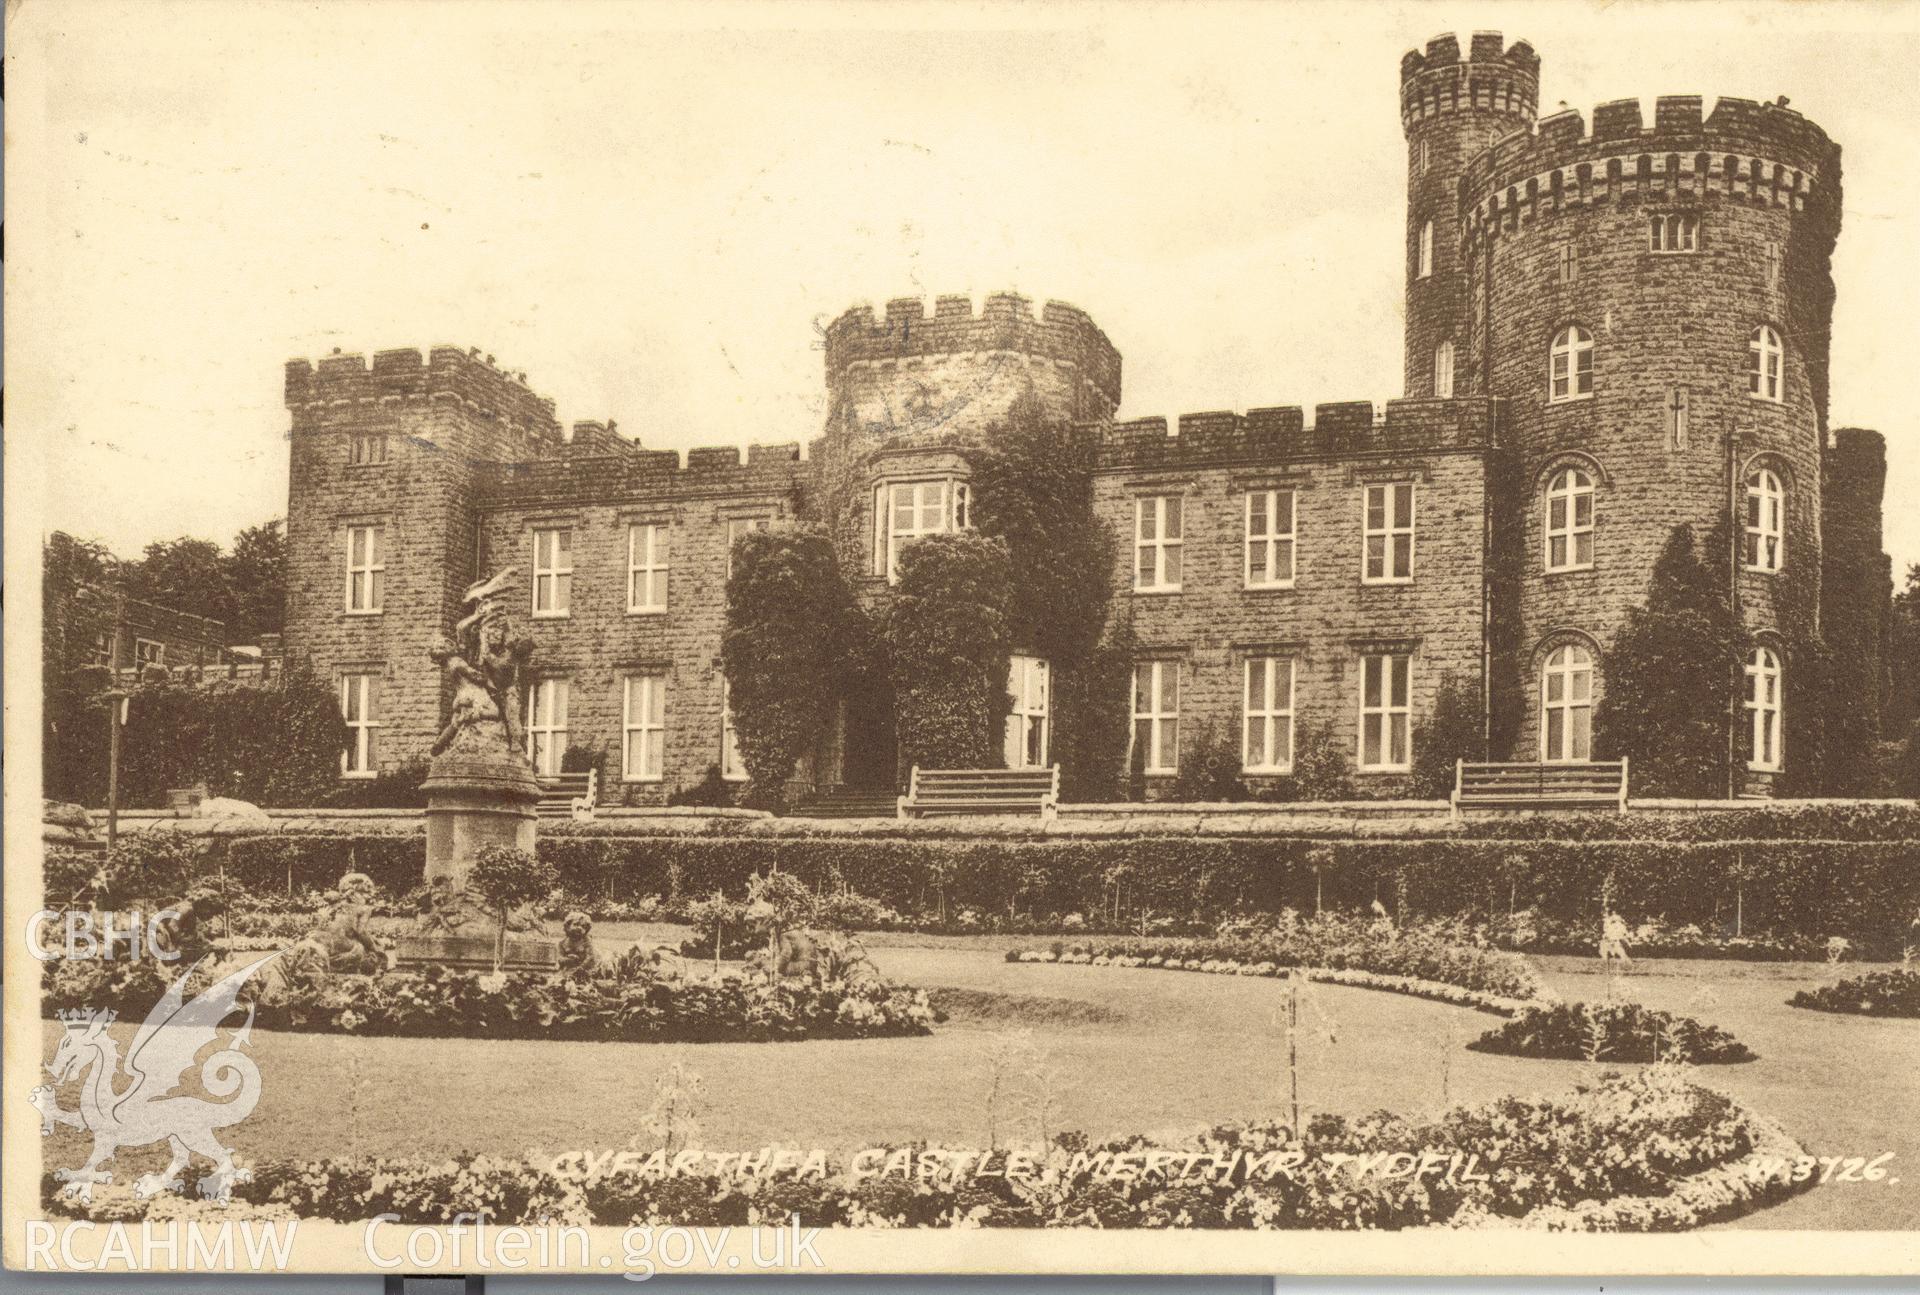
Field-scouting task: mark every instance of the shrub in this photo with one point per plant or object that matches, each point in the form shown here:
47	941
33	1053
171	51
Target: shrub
786	651
1321	769
1878	993
948	636
711	792
1451	731
1611	1032
398	787
505	878
1209	766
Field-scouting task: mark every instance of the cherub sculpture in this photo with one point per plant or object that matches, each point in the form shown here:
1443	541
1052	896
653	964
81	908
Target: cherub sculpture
486	665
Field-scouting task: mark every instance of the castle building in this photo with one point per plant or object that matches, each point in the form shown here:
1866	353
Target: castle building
1611	329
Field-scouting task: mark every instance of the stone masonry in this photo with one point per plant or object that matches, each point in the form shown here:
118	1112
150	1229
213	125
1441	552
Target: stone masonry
1516	230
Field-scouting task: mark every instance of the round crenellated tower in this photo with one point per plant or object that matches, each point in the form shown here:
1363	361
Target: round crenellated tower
1452	109
1653	299
944	376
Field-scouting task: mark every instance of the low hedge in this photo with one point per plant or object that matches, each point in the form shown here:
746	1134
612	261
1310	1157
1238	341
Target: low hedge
1648	1152
1863	890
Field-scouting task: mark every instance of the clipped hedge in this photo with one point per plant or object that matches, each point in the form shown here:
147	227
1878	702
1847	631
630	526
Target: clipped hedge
1862	889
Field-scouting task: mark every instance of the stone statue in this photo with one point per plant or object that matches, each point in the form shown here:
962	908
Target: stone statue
486	665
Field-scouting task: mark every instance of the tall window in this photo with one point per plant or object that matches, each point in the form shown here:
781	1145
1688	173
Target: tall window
1028	688
1388	529
1568	259
1766	359
643	727
732	767
359	696
1566	705
1386	710
366	569
1570	368
736	527
1443	369
1270	519
1766	509
1426	250
1156	547
547	725
1426	154
1763	709
1267	742
914	508
366	448
1156	717
552	571
1674	231
647	568
1570	521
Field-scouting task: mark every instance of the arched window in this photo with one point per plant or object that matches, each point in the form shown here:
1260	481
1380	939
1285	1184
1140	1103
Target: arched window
1570	371
1766	509
1766	360
1566	706
1443	369
1763	709
1426	250
1569	527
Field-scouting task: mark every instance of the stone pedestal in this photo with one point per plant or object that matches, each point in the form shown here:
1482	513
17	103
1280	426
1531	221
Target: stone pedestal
474	802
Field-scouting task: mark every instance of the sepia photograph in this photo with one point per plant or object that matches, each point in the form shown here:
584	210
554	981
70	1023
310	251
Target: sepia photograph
925	638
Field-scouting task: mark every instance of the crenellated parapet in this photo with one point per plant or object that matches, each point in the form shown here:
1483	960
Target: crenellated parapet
639	474
1765	155
1348	429
1493	78
445	373
1062	335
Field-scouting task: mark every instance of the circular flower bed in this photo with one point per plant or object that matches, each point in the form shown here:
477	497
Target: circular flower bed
1611	1032
1878	993
1647	1152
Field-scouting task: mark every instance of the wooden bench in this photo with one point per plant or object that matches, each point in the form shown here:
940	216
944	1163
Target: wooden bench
946	792
1592	784
569	795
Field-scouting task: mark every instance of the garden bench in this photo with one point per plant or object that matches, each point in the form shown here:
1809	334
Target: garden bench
1591	784
981	791
569	795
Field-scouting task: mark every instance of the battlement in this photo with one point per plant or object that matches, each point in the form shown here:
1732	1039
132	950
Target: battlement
1858	453
1348	429
446	372
636	474
1493	78
1766	154
1062	333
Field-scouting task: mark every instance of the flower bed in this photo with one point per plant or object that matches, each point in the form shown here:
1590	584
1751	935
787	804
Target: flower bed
637	1007
1421	960
1879	993
1611	1032
1647	1152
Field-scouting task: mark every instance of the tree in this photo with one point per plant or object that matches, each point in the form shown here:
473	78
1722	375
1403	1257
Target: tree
76	610
1033	487
787	650
505	878
256	573
186	575
1903	664
1669	674
949	632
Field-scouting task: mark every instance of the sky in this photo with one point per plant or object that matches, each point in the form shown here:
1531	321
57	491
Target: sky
652	210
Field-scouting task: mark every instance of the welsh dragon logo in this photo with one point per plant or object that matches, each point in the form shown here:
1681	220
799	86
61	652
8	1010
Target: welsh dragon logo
149	1108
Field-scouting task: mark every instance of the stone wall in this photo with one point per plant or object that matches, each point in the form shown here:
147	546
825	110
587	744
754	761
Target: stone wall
1329	617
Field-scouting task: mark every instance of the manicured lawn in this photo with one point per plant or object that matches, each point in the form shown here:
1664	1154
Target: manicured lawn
1130	1051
